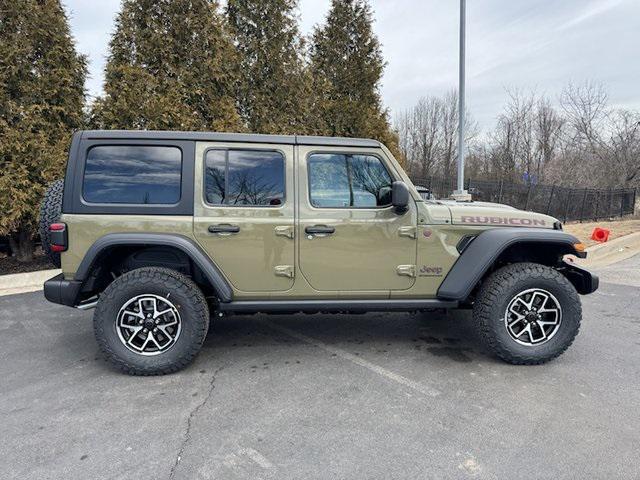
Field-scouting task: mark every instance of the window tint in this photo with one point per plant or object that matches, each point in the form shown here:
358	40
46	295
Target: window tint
132	174
244	177
329	181
359	181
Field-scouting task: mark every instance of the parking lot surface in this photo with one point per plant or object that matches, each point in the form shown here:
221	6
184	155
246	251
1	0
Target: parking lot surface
322	397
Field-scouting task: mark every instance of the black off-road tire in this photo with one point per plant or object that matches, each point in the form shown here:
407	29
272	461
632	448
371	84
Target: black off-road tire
184	295
50	210
495	296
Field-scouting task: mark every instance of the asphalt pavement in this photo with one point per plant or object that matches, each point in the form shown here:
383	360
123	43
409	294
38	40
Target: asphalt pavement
622	273
382	396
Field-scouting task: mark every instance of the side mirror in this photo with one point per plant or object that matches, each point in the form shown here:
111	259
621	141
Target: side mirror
400	197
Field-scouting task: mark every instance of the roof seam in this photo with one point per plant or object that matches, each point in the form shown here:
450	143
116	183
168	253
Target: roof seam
230	137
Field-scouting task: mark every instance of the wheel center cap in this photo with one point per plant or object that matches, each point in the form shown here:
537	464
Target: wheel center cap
149	323
531	317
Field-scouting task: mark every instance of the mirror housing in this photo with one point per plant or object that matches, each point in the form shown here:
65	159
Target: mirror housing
400	197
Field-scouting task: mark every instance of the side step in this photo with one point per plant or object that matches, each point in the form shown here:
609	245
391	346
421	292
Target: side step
88	304
315	306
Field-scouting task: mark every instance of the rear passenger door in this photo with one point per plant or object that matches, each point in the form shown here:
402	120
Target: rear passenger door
244	213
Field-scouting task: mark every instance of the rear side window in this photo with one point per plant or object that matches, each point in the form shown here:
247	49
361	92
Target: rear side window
348	181
244	178
132	174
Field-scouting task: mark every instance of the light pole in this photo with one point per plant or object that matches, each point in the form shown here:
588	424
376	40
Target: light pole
460	193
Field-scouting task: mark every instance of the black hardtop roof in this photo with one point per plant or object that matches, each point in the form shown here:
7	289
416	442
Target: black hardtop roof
227	137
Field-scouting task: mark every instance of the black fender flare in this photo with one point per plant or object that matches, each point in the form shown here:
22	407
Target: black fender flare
182	243
484	250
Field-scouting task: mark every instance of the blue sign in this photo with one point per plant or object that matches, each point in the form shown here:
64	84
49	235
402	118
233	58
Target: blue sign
529	178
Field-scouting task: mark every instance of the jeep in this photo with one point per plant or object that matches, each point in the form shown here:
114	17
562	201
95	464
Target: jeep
162	231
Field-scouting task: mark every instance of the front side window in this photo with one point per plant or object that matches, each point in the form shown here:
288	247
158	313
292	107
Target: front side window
244	178
132	174
343	181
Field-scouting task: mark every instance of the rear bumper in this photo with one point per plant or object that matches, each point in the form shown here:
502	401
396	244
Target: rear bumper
584	281
61	291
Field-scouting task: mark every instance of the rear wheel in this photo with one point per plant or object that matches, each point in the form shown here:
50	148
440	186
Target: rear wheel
527	313
151	321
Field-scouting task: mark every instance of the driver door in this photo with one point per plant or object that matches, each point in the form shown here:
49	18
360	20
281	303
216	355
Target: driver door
350	237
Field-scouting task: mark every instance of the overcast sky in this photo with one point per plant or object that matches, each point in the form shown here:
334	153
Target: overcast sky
529	44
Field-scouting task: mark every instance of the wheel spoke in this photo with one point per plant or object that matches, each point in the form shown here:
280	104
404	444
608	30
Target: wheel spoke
163	312
154	303
544	303
135	328
515	322
526	329
141	306
526	305
547	322
163	329
134	335
146	341
538	295
169	324
139	314
519	316
153	339
548	310
550	317
544	335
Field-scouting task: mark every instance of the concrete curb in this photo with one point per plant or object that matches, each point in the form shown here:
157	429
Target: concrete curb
611	252
25	282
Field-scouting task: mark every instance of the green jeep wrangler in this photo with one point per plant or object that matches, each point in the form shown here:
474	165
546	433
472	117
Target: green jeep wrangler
160	230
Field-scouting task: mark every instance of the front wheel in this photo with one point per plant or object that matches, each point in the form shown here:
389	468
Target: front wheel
151	321
527	313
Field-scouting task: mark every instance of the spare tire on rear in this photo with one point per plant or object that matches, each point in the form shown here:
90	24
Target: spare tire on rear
50	210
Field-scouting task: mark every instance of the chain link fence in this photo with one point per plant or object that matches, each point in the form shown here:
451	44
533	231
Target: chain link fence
566	204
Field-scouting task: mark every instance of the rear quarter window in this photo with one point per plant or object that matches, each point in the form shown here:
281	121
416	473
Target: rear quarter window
133	174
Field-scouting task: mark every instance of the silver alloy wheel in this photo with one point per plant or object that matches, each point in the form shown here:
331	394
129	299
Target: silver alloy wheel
148	324
533	317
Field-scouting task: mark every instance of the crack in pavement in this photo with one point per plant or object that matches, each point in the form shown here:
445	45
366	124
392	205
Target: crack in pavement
187	434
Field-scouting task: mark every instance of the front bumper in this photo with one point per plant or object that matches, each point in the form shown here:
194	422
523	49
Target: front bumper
584	281
61	291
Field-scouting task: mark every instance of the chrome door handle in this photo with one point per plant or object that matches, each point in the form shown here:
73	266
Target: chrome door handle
223	228
319	230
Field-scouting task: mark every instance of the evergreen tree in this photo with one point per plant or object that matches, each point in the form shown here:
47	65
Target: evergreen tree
275	88
346	67
41	100
172	66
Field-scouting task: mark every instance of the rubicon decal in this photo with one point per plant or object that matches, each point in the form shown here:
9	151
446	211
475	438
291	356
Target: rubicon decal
521	222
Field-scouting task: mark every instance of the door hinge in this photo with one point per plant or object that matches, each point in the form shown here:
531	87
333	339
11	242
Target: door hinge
406	270
284	231
283	271
407	232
